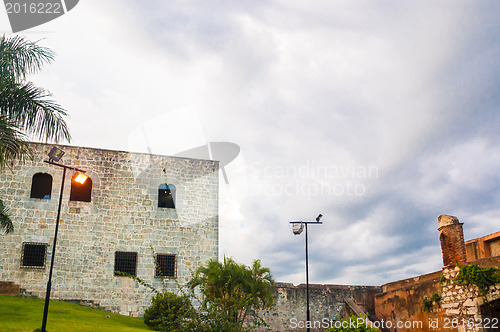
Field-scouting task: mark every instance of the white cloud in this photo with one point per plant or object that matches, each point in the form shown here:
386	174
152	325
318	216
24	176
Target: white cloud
299	84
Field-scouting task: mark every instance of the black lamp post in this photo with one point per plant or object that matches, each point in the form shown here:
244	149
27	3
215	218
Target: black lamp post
55	155
297	228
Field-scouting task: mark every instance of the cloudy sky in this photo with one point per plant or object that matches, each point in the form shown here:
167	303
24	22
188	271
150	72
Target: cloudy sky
381	115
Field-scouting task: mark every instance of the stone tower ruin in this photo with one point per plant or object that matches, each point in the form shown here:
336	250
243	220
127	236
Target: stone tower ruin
451	236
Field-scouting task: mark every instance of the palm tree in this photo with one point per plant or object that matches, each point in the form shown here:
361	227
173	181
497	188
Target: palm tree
261	286
24	108
22	102
234	291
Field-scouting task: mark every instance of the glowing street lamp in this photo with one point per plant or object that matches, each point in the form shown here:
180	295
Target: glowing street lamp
81	178
297	228
55	155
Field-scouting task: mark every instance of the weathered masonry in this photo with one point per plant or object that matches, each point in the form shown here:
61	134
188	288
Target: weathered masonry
132	204
456	307
328	303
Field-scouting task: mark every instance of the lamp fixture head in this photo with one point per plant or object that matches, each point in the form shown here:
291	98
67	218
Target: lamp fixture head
297	228
55	154
318	218
81	178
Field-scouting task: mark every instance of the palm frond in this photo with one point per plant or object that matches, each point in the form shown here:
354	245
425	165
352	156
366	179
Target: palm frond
13	144
29	107
20	57
5	221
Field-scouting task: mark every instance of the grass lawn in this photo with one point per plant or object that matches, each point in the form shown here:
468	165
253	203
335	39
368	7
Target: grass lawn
25	314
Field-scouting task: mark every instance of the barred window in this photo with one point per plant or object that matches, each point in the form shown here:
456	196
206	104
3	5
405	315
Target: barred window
33	255
41	186
166	196
81	192
165	265
125	262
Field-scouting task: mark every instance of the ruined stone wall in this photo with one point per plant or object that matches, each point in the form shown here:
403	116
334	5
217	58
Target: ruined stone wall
123	215
483	247
326	303
458	310
410	281
462	303
461	308
404	306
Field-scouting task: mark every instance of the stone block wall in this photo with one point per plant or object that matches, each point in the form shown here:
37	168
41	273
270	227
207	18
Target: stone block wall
123	215
326	302
463	303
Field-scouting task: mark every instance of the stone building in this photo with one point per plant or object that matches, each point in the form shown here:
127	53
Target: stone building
136	211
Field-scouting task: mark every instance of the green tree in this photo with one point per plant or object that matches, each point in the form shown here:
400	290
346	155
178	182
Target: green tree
233	293
24	108
23	103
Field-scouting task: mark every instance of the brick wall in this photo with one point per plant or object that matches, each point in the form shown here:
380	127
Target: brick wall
451	236
9	288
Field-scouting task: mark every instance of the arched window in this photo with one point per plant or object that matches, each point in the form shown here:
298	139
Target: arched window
166	196
41	186
81	192
445	249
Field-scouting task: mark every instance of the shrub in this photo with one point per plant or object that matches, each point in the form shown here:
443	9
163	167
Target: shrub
169	312
428	304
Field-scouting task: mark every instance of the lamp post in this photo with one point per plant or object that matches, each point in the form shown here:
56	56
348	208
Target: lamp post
55	155
297	228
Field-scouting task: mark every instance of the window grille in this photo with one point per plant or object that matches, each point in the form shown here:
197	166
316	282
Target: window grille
166	196
81	192
41	186
33	255
126	262
165	266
